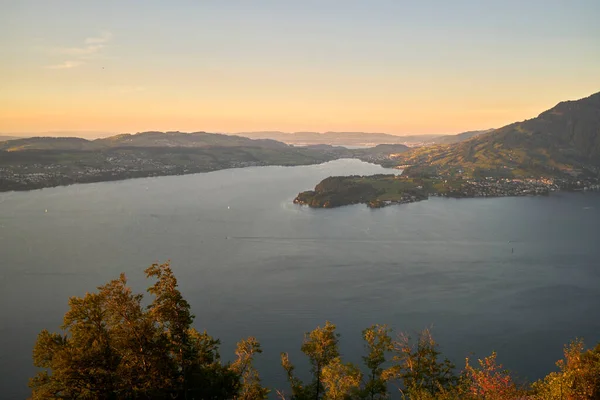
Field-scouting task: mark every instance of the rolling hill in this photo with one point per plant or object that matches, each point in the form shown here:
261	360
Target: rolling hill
143	139
203	139
49	143
181	139
35	163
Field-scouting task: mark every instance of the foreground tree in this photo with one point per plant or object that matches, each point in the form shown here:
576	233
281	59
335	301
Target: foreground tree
578	378
341	381
114	348
419	367
378	343
488	381
251	387
105	353
321	348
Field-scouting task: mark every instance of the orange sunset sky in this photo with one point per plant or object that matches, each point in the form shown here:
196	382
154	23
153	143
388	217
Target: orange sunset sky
228	66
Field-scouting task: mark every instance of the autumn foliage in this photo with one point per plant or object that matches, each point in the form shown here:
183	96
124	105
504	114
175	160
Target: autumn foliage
113	347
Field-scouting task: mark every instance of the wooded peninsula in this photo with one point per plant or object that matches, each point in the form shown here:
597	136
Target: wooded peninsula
378	191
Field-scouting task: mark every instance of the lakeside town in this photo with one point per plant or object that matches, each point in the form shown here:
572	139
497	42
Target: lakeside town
502	187
36	176
493	187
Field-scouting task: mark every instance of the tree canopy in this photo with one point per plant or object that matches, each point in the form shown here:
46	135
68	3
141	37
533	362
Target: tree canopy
113	347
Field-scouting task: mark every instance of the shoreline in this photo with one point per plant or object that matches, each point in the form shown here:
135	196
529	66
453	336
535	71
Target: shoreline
149	174
380	191
112	178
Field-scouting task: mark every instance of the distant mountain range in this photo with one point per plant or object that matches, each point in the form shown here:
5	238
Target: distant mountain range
72	140
5	138
564	139
143	139
357	138
74	133
204	139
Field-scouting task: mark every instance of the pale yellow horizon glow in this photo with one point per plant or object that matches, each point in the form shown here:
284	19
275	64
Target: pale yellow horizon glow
138	110
94	98
408	69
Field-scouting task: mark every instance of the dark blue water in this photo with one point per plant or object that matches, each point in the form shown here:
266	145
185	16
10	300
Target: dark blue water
252	263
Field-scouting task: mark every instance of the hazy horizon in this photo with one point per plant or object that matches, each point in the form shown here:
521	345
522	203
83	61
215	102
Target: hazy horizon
396	67
99	135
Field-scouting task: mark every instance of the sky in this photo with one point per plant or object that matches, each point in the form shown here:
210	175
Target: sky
394	66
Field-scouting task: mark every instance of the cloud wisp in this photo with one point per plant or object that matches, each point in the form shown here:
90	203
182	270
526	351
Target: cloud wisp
92	47
103	38
65	65
129	89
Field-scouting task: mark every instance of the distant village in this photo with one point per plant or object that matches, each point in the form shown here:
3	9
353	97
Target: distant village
35	176
500	187
118	166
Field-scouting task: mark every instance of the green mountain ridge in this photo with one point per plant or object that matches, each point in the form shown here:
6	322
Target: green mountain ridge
564	139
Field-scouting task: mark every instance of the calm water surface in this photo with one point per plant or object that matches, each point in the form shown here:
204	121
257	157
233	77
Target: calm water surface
252	263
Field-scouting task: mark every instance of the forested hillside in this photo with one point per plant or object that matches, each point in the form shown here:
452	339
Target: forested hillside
562	140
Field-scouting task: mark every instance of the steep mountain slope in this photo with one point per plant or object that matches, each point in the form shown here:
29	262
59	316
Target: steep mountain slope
564	139
461	137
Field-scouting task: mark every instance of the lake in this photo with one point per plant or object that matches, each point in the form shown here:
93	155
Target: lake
520	276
